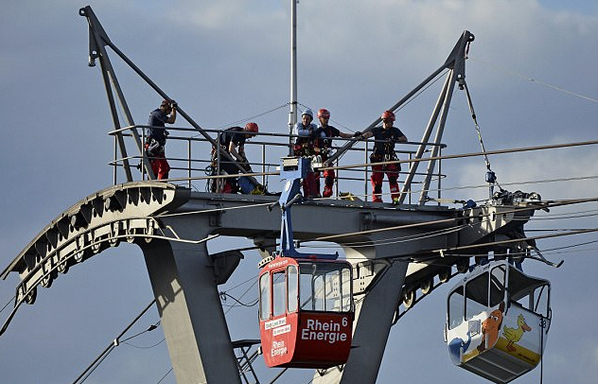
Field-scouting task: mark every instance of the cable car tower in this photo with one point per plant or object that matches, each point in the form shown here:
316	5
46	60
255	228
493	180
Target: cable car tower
307	315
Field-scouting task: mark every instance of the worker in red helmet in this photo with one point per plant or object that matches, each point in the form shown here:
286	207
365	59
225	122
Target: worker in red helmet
156	138
232	141
385	137
325	133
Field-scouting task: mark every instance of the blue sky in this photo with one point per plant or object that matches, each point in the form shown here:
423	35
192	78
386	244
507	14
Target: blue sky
226	60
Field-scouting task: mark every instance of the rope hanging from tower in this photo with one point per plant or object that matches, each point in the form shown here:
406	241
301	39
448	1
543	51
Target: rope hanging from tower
490	174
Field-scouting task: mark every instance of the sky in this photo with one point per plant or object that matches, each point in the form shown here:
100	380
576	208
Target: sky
531	72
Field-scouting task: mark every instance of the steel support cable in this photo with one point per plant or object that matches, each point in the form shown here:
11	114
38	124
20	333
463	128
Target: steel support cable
166	374
472	246
254	116
407	161
83	376
400	239
224	295
466	187
570	215
252	280
149	347
403	239
477	126
149	329
552	251
555	229
202	211
357	233
441	221
329	237
515	74
466	155
444	189
7	304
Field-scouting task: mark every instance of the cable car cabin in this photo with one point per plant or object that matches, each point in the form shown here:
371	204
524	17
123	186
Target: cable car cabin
497	321
306	312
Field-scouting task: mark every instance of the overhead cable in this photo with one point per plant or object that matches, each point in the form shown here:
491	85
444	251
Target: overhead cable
89	370
516	74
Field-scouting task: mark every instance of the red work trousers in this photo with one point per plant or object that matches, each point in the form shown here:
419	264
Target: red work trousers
392	173
329	177
157	159
311	184
160	166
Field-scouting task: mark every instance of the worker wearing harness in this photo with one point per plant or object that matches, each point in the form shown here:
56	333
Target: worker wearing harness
306	146
232	142
384	150
156	139
324	134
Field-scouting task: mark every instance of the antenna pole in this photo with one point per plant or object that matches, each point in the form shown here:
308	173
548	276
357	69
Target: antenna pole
293	102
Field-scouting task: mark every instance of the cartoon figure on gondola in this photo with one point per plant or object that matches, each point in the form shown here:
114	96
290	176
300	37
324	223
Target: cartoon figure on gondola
491	328
513	335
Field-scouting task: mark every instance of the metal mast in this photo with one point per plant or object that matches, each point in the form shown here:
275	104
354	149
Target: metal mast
293	102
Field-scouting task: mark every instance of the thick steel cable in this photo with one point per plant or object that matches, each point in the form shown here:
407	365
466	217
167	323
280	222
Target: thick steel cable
83	376
466	155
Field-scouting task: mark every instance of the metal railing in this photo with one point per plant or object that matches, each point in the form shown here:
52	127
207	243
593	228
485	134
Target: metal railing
190	159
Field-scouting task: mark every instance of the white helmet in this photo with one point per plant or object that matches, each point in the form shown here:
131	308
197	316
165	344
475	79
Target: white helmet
309	113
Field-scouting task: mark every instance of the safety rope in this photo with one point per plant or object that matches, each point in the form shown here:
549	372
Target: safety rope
490	175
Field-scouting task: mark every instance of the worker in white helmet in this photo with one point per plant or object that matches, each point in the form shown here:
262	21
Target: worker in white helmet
306	146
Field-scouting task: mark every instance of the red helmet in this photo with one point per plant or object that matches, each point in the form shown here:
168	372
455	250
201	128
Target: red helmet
324	113
388	115
251	127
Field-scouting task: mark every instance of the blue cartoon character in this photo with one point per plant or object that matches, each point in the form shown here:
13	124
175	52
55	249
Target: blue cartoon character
457	346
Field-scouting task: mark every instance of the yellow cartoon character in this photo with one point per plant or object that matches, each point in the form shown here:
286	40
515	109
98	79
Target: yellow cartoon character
513	335
491	327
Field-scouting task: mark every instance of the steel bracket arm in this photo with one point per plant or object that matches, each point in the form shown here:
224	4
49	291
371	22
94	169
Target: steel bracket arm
95	30
97	47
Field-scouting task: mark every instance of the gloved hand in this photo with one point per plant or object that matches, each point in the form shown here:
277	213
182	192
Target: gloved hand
358	134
